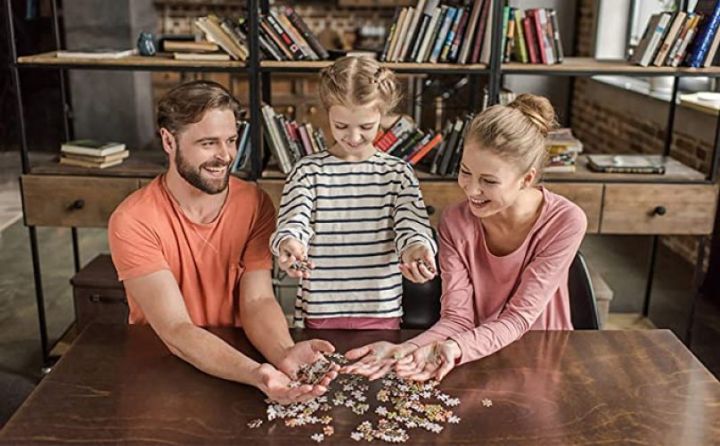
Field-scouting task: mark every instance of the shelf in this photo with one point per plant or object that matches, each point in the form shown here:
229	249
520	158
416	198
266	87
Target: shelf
416	68
154	63
138	165
676	172
586	66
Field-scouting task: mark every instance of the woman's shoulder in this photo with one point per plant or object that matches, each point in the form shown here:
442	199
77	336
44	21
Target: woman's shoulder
456	216
562	213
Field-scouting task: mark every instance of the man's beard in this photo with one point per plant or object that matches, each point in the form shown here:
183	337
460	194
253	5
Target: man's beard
192	175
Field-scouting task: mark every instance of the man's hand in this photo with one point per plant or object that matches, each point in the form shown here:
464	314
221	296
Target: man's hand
276	385
376	359
433	361
418	263
292	253
307	352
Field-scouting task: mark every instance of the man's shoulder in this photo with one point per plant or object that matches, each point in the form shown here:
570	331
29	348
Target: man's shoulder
143	203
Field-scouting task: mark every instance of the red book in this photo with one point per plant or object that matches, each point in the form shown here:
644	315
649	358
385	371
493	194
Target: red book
538	35
420	154
480	32
531	40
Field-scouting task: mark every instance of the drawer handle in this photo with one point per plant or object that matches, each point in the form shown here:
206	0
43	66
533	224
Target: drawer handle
430	210
77	205
99	298
660	210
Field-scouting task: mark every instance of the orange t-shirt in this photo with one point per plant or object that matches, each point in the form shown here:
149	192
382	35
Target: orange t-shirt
149	232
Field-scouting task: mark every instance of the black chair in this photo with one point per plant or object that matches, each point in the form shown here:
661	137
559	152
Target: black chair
421	302
583	306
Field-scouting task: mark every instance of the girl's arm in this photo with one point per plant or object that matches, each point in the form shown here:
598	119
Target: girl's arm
538	283
296	205
411	222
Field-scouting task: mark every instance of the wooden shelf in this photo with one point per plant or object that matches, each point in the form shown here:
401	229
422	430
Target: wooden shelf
588	66
419	68
676	172
157	63
137	165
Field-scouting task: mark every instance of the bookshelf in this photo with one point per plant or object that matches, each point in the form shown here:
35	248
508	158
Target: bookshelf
688	196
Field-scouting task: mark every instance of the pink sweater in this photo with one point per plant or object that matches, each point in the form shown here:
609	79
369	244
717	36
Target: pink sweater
489	302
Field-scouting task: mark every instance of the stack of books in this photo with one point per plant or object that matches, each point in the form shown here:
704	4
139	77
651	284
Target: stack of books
562	148
405	141
446	160
223	34
289	140
532	36
93	154
285	36
431	32
681	39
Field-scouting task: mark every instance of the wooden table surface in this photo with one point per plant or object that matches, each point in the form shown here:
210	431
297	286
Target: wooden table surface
120	384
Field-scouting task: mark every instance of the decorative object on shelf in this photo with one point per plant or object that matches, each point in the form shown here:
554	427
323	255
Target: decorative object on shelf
146	44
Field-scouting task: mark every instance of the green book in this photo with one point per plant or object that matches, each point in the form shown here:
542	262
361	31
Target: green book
520	50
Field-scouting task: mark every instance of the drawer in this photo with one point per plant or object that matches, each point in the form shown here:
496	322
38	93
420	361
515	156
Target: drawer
587	196
102	305
73	201
438	196
658	209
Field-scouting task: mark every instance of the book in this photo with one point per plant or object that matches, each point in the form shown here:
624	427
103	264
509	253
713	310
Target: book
531	42
487	39
707	28
687	40
557	42
92	147
201	56
644	42
97	159
295	35
82	163
521	53
390	35
412	30
96	53
459	33
441	38
447	47
423	29
467	40
427	38
297	53
424	150
302	27
477	44
625	164
201	46
670	37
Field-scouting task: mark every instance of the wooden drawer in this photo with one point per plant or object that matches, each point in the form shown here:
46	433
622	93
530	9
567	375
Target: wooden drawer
73	201
658	209
438	196
587	196
103	305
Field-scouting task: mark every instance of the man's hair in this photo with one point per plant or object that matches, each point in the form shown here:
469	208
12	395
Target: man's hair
187	103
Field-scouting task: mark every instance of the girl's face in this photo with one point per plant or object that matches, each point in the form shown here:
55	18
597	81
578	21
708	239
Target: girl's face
491	183
354	130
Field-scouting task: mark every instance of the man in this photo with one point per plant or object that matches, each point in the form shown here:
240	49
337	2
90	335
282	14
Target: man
192	248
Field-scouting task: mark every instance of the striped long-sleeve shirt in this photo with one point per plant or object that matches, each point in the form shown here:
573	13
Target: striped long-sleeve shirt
355	218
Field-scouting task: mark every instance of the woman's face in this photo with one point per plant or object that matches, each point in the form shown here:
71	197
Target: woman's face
491	183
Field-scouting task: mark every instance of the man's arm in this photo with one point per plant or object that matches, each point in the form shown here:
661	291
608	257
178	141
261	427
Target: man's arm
160	299
262	318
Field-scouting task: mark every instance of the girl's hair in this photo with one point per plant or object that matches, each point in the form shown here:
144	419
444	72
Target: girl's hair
359	81
515	132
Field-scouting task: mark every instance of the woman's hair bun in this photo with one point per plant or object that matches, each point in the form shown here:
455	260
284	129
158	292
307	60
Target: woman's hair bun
538	110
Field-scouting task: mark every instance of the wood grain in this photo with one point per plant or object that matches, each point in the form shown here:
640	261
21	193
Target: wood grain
73	201
587	196
121	384
629	209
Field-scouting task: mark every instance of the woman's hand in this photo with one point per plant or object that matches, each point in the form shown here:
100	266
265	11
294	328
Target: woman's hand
418	263
376	359
433	361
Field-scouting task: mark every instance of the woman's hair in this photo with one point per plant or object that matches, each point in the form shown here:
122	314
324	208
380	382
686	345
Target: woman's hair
515	132
359	81
187	103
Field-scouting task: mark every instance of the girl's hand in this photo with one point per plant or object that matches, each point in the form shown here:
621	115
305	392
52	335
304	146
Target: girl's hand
376	359
418	263
433	361
293	259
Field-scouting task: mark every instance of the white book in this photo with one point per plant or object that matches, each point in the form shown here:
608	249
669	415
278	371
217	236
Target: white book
275	143
412	26
402	35
422	53
96	53
655	40
395	38
92	147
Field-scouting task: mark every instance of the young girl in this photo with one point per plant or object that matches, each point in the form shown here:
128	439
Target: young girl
352	219
504	252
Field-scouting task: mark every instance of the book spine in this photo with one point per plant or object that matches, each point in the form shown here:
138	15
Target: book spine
530	41
286	39
510	44
447	47
424	150
269	47
470	32
556	36
441	37
430	34
505	16
295	35
480	32
520	47
390	35
703	39
459	37
534	15
312	40
275	38
655	40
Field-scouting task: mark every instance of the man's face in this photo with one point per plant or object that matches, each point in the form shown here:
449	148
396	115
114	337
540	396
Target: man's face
206	149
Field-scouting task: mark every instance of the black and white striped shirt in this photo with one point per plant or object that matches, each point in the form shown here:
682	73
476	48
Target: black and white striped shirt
356	218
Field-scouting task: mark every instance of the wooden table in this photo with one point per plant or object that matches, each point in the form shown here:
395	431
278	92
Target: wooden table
120	383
